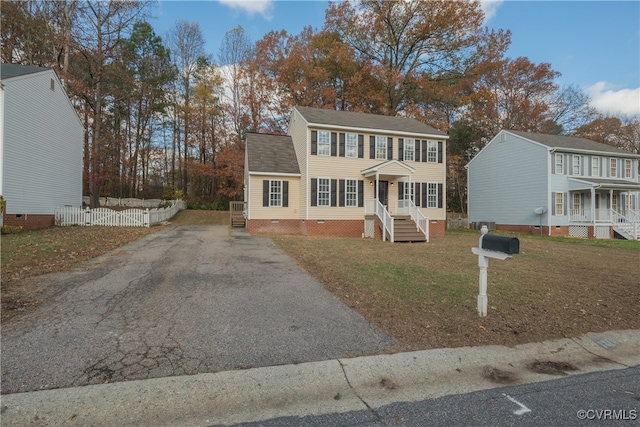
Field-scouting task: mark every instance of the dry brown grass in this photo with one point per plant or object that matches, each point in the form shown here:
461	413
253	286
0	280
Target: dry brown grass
425	295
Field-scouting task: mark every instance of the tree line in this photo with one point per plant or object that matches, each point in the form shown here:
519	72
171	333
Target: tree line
166	118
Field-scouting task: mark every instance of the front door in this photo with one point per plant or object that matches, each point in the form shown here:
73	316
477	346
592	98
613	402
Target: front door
383	193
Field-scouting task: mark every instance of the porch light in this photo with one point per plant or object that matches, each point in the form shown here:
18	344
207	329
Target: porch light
392	184
370	183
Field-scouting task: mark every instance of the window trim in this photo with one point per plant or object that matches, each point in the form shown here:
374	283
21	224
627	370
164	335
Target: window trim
432	196
559	163
322	145
328	193
576	163
613	167
595	166
559	212
381	139
354	193
628	168
277	193
406	152
432	151
354	147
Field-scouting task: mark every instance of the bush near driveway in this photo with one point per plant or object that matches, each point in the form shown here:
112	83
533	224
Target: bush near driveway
425	295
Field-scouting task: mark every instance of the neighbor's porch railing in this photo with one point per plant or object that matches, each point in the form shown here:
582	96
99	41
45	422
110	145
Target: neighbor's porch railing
407	207
603	215
374	207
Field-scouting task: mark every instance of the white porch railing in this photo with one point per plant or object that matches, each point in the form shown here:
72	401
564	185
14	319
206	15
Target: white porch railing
69	215
407	207
374	207
603	215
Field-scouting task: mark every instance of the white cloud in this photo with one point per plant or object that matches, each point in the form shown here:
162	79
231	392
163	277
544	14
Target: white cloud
490	7
606	99
251	7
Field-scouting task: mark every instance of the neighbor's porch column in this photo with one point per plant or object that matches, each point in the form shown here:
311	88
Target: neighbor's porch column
593	210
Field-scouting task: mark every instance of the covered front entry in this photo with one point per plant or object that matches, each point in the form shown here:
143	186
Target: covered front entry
381	189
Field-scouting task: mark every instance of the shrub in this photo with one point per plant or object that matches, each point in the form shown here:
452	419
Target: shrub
11	229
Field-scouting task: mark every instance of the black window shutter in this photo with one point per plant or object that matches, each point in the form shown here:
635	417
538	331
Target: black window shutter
417	193
360	193
400	148
342	138
439	195
400	190
334	144
372	147
440	152
389	148
285	194
314	142
417	155
265	192
341	193
360	146
425	187
424	151
314	191
334	185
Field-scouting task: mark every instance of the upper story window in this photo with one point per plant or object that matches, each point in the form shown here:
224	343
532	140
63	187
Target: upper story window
576	164
324	143
595	166
432	151
627	168
351	145
381	147
613	167
275	193
409	149
559	163
324	192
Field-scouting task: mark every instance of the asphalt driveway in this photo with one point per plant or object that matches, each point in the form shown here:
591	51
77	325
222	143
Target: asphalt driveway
183	301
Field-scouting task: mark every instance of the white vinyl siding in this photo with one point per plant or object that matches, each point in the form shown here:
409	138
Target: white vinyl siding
275	193
576	163
595	166
351	193
432	151
409	149
381	147
324	143
351	145
559	163
324	192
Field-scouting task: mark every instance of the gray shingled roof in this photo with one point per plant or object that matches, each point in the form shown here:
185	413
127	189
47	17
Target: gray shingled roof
8	71
568	142
322	116
271	154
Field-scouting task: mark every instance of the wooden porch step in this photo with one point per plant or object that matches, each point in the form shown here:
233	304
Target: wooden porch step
404	230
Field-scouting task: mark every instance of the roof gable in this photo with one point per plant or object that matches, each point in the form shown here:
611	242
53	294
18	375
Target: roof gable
321	116
268	153
8	71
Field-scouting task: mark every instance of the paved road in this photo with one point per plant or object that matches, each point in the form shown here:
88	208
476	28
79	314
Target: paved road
187	300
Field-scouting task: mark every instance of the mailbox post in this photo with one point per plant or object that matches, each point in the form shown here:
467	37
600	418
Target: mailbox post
491	246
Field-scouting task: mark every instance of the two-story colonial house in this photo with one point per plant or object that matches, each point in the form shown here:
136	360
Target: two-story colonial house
347	174
555	185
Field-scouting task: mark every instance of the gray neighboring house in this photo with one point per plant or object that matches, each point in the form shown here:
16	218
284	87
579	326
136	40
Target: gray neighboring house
555	185
41	141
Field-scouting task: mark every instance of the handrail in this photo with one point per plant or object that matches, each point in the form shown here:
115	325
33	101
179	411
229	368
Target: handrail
422	222
373	206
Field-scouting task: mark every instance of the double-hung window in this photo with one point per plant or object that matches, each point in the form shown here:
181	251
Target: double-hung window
559	204
275	193
595	166
351	193
627	168
351	145
613	168
576	164
324	192
432	151
324	143
409	191
409	149
559	160
381	147
432	195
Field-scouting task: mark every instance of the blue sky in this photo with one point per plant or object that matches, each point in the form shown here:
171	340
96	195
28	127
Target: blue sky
594	44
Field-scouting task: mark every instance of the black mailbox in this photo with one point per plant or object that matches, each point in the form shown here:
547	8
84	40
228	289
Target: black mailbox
507	245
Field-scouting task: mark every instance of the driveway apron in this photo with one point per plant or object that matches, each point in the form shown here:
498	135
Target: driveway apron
183	301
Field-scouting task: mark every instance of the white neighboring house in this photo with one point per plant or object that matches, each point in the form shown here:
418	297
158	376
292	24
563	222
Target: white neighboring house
41	138
555	185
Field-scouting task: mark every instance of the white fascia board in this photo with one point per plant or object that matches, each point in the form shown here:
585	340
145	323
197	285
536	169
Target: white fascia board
274	174
378	131
594	152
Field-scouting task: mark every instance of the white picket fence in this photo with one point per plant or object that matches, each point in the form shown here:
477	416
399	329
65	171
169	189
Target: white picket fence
69	215
126	202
